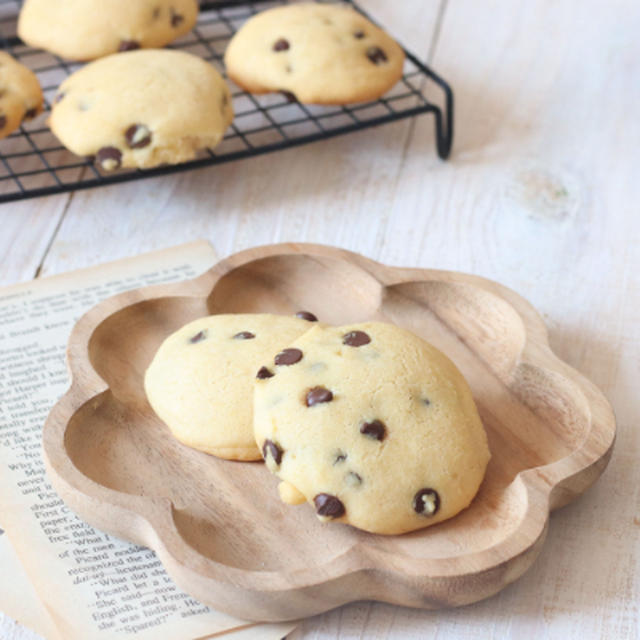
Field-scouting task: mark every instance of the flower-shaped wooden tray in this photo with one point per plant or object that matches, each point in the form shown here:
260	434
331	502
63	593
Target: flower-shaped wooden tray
219	526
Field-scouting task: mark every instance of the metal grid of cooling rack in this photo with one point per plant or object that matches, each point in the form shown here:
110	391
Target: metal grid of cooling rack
33	163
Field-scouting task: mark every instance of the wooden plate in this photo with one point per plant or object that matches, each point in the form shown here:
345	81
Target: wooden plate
219	526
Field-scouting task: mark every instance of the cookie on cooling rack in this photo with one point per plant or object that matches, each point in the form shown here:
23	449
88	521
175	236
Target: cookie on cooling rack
89	29
322	54
372	426
142	109
20	94
200	380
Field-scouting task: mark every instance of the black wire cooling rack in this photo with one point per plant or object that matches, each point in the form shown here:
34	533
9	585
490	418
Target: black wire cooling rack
33	163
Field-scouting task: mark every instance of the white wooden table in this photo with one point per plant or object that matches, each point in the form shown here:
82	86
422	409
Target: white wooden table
542	193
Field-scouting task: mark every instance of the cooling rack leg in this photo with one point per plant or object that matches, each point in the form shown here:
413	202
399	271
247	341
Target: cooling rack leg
444	126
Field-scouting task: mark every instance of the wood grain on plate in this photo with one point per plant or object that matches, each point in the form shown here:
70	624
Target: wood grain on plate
219	526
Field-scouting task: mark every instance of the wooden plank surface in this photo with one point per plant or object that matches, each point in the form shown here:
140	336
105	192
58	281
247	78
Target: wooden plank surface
26	230
541	194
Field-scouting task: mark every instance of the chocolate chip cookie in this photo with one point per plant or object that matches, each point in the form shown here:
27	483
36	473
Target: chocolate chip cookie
372	426
142	109
20	94
319	53
200	380
89	29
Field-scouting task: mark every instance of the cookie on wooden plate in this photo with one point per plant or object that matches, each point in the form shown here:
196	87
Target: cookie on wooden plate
372	426
20	94
89	29
200	382
142	109
320	53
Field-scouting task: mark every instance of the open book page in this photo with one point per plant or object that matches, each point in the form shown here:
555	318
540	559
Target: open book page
18	599
91	584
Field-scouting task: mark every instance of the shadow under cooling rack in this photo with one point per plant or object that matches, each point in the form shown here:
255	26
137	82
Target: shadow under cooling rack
33	163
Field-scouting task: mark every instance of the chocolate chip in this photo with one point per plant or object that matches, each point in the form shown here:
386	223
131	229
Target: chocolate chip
353	479
109	158
270	447
426	502
291	97
426	401
306	315
3	121
281	45
374	429
32	113
376	55
318	395
138	136
338	457
288	357
176	18
264	373
359	34
356	338
156	13
328	506
199	337
244	335
128	45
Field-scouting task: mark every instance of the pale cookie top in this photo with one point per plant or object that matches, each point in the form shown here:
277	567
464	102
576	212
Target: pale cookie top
322	54
200	382
20	94
373	426
142	108
89	29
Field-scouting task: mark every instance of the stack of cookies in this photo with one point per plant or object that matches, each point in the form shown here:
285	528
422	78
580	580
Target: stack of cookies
368	423
140	106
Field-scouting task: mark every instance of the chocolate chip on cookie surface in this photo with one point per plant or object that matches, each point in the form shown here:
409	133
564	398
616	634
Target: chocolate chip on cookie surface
264	373
287	357
328	506
138	136
374	429
318	395
356	338
307	315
